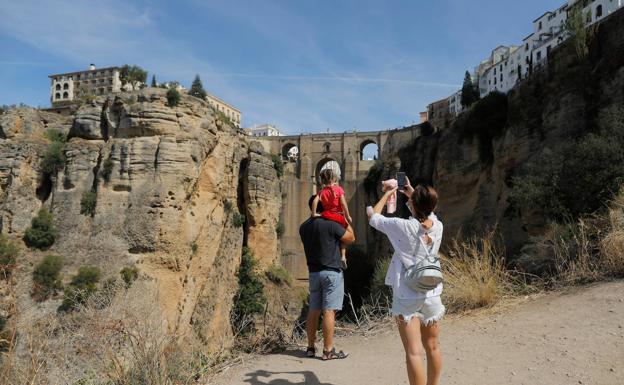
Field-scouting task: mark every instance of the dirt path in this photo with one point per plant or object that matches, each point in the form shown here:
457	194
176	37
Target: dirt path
572	337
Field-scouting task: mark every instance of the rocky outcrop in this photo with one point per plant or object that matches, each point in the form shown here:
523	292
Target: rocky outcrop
161	202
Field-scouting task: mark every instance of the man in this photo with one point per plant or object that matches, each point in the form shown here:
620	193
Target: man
321	242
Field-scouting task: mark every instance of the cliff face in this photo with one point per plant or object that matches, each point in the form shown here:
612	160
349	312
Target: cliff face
556	105
178	178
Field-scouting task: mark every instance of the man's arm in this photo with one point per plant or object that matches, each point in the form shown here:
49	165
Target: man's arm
348	237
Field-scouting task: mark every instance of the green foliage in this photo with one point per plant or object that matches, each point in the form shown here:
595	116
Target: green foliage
470	93
88	203
582	35
278	164
53	159
42	233
280	228
379	289
486	119
249	299
132	74
197	89
55	135
81	287
574	178
238	219
8	256
154	83
47	277
173	97
227	205
107	169
279	275
129	274
194	247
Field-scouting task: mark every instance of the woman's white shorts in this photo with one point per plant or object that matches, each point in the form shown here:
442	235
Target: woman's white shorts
427	310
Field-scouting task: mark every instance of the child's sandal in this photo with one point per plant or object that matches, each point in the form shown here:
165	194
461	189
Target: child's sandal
333	355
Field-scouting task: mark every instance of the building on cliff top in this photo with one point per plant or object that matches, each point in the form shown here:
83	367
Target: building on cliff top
64	88
229	111
264	130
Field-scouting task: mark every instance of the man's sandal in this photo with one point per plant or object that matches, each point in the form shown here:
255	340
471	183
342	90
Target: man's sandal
311	352
333	355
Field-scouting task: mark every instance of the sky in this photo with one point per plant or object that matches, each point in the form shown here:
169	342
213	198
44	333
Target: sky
304	66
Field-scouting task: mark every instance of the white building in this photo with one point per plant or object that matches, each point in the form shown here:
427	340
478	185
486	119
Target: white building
455	106
264	130
231	112
69	86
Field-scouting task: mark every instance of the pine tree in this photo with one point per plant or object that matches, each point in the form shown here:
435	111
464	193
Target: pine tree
197	89
469	92
154	84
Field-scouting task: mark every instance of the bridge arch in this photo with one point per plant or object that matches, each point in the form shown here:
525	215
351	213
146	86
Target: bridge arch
290	152
327	162
369	145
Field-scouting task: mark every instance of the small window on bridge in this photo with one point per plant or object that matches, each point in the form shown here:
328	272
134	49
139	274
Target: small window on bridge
369	151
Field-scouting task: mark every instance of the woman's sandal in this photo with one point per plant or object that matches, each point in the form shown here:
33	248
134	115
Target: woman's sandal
311	352
333	355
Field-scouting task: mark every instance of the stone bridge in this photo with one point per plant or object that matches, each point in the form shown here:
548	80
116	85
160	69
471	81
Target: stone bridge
300	178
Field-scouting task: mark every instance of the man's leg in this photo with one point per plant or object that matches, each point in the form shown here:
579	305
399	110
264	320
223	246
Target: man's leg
329	319
312	326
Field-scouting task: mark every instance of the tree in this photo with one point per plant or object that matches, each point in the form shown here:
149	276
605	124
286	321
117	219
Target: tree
470	94
197	89
154	84
173	97
134	75
47	277
582	35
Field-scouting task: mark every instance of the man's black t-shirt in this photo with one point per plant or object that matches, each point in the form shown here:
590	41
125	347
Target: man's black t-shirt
321	243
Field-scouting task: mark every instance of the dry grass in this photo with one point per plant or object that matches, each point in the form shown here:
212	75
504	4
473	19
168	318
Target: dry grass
474	274
612	244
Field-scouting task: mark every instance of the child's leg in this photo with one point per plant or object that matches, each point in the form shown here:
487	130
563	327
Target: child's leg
343	253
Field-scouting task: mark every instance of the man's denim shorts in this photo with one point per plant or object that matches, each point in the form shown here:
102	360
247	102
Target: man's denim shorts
326	290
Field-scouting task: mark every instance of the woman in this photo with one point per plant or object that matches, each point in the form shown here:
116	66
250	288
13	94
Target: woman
409	238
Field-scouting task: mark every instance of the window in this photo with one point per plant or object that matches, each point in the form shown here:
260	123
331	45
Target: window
65	95
539	55
58	87
57	95
494	70
526	47
501	67
65	86
501	78
540	26
548	50
599	11
494	81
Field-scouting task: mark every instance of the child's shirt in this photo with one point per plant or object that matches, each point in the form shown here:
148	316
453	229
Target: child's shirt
330	198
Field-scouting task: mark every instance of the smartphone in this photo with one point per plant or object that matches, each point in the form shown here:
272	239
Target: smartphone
401	180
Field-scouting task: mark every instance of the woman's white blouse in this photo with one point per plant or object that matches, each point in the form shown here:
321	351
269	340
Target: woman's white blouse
404	236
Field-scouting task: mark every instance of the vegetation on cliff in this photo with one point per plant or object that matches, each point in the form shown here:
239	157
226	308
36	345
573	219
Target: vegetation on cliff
42	233
249	300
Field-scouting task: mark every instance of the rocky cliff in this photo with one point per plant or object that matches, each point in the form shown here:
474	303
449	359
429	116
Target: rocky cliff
169	183
474	168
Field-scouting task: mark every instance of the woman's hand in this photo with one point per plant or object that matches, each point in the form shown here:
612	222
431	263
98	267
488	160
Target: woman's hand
408	190
348	218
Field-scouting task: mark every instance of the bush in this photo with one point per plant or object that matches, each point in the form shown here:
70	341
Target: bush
129	274
132	74
486	119
81	287
107	169
53	159
280	229
278	164
194	247
238	219
55	135
249	299
8	256
88	203
42	233
278	275
46	277
173	97
474	274
227	205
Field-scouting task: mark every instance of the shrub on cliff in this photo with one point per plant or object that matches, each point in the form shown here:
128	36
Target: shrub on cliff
8	256
278	275
107	169
42	233
81	287
249	299
238	219
53	159
173	97
486	120
55	135
129	274
47	277
278	164
280	228
88	203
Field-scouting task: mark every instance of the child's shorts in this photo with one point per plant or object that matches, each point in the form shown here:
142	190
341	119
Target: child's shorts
427	310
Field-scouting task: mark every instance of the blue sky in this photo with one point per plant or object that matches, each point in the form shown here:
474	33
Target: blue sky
305	66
